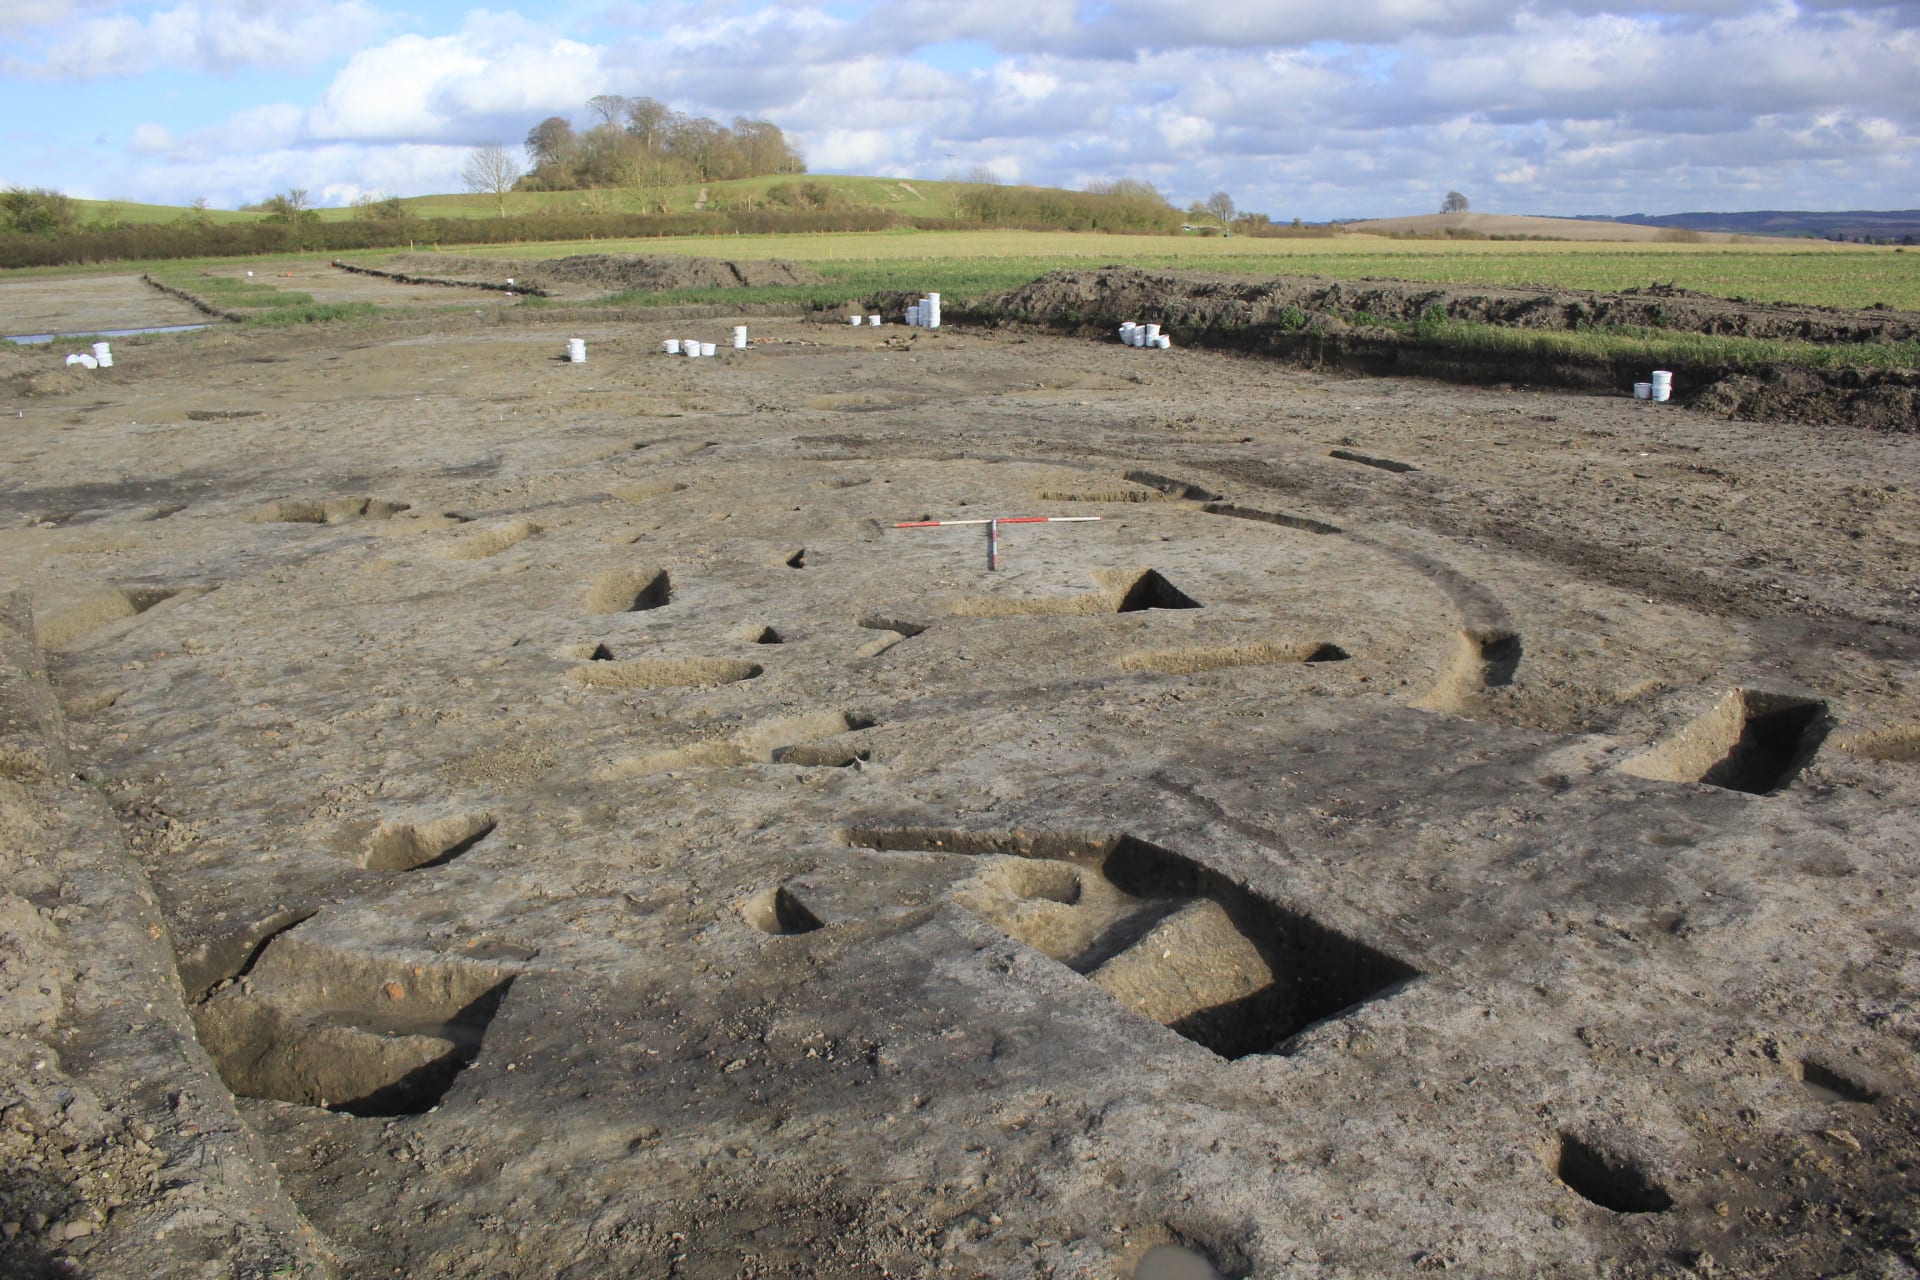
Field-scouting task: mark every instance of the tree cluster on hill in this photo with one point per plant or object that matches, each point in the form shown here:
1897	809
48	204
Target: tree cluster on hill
645	146
1124	205
291	205
36	211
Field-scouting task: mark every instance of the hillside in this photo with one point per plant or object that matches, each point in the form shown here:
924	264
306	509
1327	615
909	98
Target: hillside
1898	225
909	196
1515	226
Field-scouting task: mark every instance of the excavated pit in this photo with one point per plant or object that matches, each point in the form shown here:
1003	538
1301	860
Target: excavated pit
1165	936
1750	740
320	1027
1603	1177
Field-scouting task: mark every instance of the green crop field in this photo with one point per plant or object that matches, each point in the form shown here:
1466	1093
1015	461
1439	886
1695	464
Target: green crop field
968	263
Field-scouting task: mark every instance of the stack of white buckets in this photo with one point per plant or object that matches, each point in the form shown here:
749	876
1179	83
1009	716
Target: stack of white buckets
102	357
577	347
925	314
1660	388
1144	335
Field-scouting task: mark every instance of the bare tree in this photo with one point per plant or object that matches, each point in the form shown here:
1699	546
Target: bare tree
1130	188
1454	203
608	106
651	179
491	170
1220	206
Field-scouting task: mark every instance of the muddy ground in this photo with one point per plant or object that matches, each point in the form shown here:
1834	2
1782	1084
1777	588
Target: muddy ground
1416	828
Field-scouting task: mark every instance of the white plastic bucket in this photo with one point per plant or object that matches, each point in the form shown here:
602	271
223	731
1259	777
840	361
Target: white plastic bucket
739	337
1153	332
1643	391
1662	394
1163	342
577	350
671	346
856	319
103	353
689	348
874	321
1662	384
913	314
708	349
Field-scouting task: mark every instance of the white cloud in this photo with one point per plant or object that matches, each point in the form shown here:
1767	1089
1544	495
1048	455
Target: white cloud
492	81
1369	106
217	37
150	139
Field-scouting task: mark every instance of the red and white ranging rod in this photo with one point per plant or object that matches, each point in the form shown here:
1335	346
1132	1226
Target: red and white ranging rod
993	524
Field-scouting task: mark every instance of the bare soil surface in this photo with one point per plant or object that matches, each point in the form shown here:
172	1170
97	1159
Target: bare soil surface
592	275
1417	827
87	304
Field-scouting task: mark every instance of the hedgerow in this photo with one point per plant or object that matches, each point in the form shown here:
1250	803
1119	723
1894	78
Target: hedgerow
234	240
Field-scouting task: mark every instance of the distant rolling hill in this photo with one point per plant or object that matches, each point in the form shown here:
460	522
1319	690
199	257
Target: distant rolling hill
1515	226
1897	225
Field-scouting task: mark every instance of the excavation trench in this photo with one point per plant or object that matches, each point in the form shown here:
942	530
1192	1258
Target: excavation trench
1165	936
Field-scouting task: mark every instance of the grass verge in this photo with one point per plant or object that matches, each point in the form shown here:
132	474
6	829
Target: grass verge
1655	347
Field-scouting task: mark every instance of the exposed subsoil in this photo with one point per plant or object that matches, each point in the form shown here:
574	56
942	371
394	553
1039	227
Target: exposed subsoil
590	275
1417	827
1337	323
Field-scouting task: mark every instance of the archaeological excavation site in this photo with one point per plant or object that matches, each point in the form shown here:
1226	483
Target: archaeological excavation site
473	813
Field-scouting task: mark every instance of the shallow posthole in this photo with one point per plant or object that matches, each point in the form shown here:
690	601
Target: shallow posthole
1606	1178
779	912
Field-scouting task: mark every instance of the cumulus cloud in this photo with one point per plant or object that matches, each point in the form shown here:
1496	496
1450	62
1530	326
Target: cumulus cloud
457	87
90	42
1371	106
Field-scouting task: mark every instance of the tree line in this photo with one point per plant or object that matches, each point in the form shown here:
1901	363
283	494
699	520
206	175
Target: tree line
646	147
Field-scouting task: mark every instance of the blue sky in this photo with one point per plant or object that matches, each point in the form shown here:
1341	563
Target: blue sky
1370	107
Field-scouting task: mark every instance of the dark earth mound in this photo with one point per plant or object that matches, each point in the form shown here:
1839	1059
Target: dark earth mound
1353	324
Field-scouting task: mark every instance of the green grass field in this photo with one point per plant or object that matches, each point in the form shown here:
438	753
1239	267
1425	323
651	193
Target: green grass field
969	263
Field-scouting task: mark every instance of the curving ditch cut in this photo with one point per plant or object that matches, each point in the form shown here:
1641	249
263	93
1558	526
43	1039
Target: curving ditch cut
1193	659
1161	933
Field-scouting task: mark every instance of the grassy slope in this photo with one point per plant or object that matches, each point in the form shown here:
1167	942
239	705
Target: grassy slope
897	195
